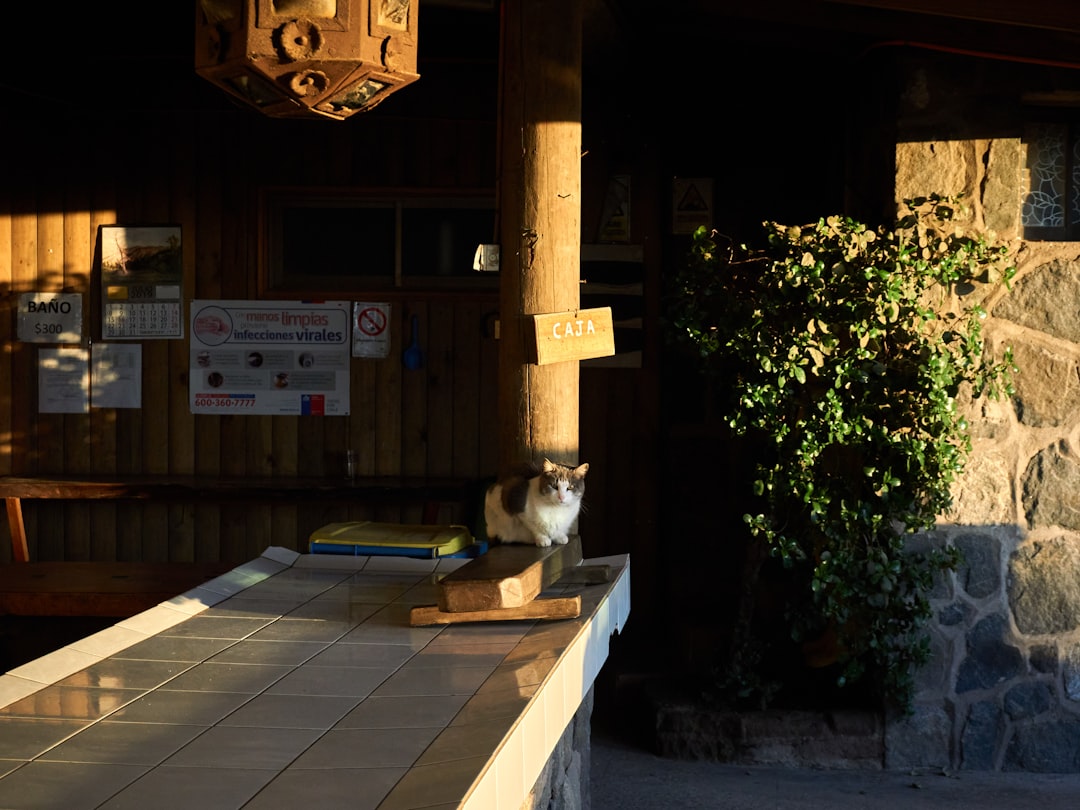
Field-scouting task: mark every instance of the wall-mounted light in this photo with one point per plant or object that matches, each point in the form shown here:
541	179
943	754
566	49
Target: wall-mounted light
307	58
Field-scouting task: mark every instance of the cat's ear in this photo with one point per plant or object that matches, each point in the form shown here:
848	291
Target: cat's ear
581	469
549	466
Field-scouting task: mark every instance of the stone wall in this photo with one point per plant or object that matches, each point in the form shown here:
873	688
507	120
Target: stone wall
1002	691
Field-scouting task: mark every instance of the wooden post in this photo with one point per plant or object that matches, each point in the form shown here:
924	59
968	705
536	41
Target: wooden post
540	221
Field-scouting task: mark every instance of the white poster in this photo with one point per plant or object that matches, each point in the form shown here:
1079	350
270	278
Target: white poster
62	381
116	375
259	357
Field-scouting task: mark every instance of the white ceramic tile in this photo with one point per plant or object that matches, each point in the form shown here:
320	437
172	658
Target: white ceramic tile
49	784
484	706
534	728
108	641
252	651
437	694
463	653
510	771
223	627
429	786
79	703
523	675
483	793
460	742
265	566
413	711
54	666
189	708
124	743
216	677
403	564
366	747
430	681
240	747
194	601
356	682
336	562
554	712
242	605
448	564
154	620
303	629
291	711
24	738
232	582
368	590
284	556
175	648
169	788
122	673
354	788
13	688
574	687
387	656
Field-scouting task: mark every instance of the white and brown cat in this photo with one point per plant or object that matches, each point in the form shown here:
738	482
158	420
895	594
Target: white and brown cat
535	504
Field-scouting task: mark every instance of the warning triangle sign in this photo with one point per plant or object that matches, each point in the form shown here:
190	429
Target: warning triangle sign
692	200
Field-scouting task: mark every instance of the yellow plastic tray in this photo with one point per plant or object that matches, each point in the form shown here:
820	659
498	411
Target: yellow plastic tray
366	537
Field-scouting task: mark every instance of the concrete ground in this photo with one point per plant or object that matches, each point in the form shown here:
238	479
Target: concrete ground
625	777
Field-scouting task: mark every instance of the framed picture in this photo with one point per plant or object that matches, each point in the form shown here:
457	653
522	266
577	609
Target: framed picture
142	275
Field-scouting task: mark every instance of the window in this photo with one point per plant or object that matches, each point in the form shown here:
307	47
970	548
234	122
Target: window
337	242
1051	207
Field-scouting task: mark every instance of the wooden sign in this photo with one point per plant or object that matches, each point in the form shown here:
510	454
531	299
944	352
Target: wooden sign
577	335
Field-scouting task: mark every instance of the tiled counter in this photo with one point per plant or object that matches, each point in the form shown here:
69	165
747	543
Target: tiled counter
297	680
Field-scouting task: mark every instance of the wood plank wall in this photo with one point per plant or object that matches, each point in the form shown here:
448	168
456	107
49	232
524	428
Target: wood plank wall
202	169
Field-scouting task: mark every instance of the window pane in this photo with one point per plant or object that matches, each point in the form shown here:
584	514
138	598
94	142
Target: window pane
1044	205
442	241
338	241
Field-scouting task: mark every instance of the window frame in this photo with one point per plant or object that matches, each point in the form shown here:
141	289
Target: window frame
275	281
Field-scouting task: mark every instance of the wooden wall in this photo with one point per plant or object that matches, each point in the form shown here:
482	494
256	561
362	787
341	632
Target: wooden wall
203	169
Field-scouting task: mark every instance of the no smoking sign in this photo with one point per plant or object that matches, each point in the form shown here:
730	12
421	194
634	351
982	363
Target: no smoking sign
371	337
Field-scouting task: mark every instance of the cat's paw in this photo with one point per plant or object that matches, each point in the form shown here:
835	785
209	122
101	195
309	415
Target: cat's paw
560	539
543	542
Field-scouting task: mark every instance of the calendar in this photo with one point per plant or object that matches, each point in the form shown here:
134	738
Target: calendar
141	282
161	319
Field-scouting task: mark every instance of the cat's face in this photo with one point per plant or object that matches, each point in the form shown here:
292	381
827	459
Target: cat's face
562	484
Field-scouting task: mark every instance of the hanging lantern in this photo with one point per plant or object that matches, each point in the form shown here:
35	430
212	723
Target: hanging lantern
304	58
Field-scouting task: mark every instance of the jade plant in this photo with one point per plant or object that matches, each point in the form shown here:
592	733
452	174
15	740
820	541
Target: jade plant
843	351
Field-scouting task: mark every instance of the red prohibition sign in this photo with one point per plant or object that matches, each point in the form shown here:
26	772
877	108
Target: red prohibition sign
371	321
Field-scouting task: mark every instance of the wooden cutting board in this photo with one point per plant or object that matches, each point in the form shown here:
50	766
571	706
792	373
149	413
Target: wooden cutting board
507	576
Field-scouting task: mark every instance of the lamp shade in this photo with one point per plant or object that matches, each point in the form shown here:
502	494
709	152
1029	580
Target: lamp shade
307	58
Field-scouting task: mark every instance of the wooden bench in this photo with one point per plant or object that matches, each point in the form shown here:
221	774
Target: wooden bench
119	589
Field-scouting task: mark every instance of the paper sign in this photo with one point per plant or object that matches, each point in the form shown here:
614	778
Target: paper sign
270	358
62	381
371	330
50	317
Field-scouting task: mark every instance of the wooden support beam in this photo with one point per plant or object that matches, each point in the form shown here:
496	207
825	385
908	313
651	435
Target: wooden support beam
507	576
568	607
540	222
